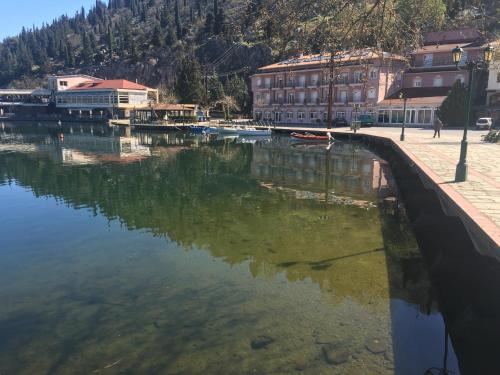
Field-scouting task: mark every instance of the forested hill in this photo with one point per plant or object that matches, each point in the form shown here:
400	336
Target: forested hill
153	40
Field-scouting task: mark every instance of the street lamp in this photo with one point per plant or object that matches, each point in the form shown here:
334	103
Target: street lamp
404	98
471	66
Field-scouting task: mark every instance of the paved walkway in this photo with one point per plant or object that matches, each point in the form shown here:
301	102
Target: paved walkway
478	199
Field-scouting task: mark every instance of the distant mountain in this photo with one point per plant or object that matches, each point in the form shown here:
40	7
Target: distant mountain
148	39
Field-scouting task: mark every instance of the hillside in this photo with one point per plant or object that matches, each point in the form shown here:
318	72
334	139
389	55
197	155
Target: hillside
152	40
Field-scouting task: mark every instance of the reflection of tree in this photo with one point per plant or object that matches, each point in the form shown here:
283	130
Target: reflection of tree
198	198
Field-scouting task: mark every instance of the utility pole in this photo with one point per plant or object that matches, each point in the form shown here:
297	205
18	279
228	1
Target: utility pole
330	90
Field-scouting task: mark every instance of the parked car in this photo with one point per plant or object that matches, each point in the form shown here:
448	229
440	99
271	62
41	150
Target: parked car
340	121
366	120
483	123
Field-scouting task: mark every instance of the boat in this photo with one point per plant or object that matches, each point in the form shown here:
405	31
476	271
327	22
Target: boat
200	129
312	137
245	130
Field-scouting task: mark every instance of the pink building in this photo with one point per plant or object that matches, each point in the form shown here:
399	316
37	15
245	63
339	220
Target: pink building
429	78
296	90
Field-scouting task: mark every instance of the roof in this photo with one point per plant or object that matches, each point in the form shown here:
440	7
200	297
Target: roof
315	60
76	75
430	100
432	48
113	84
421	92
174	106
464	35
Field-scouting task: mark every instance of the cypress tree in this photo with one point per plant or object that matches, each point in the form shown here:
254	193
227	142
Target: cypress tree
452	111
178	26
189	85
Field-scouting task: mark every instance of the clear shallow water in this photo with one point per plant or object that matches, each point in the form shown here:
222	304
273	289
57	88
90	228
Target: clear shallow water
169	254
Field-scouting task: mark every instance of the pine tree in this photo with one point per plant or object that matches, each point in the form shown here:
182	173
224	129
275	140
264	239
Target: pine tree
237	88
171	38
452	111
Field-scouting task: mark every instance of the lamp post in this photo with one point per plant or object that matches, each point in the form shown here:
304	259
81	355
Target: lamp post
404	98
471	66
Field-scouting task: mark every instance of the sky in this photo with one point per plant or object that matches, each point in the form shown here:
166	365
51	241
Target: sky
19	13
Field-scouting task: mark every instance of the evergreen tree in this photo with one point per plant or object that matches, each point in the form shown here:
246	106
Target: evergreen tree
237	88
452	111
189	87
215	90
178	26
158	37
110	42
171	38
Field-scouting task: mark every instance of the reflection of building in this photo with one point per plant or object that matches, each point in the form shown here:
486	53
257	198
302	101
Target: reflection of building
82	145
351	170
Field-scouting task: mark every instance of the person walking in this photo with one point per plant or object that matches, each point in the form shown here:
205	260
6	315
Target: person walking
438	125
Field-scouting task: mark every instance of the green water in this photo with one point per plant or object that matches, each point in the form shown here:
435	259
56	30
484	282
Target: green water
175	254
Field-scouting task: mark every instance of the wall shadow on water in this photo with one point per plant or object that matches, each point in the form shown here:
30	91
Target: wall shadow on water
242	202
464	282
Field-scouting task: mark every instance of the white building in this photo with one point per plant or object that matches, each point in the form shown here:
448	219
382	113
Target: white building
98	97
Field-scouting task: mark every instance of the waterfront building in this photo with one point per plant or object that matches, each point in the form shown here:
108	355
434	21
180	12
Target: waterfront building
16	101
430	76
296	90
108	98
64	82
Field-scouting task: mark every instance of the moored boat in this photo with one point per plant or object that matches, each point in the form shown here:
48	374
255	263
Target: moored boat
312	137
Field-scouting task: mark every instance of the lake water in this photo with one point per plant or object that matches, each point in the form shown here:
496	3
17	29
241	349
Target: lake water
174	254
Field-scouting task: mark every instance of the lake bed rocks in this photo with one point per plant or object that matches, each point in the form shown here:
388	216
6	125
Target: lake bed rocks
261	342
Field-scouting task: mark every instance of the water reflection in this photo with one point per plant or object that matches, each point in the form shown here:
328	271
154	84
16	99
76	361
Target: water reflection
338	266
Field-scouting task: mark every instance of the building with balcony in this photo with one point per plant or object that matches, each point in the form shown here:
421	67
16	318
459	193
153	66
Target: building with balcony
104	98
430	76
296	90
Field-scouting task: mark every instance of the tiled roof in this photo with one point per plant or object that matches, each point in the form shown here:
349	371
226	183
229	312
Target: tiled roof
108	84
429	100
421	92
463	35
444	47
322	59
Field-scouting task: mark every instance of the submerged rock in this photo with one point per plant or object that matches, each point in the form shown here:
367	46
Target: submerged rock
335	355
261	342
375	346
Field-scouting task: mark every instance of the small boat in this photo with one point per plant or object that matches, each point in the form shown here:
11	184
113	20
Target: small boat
245	130
312	137
199	129
251	131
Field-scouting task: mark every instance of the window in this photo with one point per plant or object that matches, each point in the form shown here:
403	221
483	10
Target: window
300	115
383	116
428	59
258	115
290	97
498	77
343	77
358	77
397	116
289	115
417	82
313	115
325	116
340	114
259	82
372	94
302	81
424	116
343	96
356	96
373	73
314	80
63	83
438	81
